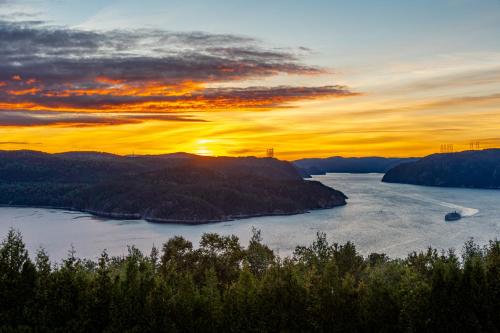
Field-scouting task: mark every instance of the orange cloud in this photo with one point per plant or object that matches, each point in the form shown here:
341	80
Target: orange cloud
31	91
158	97
87	71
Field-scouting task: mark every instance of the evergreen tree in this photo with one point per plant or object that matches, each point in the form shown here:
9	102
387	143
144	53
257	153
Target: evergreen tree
223	287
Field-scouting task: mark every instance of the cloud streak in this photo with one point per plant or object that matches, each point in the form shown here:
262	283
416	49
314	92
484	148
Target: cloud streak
20	143
68	119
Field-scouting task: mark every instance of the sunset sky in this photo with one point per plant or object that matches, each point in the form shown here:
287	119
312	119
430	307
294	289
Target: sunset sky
309	78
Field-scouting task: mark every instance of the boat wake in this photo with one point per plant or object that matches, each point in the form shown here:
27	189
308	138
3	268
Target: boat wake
464	211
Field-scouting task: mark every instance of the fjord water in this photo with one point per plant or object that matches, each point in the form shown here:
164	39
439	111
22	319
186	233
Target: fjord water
391	218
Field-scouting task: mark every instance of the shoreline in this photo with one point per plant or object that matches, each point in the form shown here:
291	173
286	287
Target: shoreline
442	186
131	216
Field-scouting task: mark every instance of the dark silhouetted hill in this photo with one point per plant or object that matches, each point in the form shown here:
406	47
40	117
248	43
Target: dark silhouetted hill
321	166
163	188
475	169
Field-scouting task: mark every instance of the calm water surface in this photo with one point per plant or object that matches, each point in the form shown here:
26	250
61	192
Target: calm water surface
391	218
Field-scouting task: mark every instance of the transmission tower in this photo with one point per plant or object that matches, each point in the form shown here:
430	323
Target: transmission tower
447	148
474	145
270	152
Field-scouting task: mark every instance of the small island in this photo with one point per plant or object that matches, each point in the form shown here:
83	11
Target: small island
469	169
172	188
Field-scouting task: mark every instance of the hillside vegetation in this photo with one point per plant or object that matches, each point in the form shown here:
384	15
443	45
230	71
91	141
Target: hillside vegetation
473	169
163	188
320	166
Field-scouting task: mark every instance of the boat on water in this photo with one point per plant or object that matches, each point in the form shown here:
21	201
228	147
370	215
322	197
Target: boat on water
453	216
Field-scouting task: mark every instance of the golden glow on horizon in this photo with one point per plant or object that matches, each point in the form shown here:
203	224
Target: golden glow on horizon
319	129
203	147
392	120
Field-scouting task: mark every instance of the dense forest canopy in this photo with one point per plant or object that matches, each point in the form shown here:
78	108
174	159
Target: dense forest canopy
222	286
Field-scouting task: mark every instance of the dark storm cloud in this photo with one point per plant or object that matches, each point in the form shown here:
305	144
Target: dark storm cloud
68	119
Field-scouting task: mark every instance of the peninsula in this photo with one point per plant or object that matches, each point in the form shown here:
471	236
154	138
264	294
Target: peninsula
172	188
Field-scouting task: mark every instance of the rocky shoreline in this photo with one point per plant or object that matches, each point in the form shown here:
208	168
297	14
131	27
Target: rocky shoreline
137	216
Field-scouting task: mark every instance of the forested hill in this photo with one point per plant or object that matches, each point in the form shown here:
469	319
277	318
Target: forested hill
320	166
163	188
474	169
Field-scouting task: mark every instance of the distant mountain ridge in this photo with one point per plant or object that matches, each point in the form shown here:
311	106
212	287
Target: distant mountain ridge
162	188
320	166
471	169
